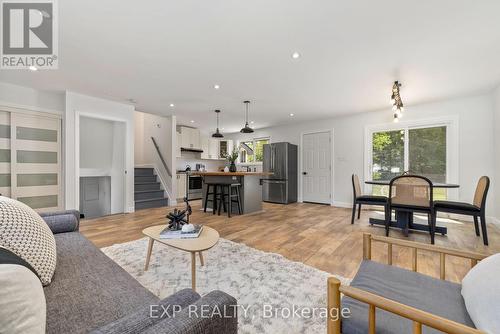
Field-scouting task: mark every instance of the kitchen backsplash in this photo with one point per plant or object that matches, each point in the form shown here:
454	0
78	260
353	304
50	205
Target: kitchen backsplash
192	160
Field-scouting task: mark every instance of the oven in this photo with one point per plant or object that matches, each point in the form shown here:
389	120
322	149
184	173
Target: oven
194	187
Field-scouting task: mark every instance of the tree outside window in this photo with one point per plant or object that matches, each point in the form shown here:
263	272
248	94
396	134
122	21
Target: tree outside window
257	145
424	154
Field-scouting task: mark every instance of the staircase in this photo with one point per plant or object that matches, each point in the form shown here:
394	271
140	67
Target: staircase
148	192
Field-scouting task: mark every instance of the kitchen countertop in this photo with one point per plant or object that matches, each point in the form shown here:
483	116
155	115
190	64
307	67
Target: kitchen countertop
231	173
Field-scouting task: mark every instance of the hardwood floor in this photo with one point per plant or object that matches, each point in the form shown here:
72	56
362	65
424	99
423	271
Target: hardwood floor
317	235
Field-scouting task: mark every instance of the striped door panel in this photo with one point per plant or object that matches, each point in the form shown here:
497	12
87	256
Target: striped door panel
30	160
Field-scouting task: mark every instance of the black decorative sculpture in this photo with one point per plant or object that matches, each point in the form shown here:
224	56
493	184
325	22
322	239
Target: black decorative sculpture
177	218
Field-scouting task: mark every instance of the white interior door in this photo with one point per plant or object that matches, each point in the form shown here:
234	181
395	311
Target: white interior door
316	167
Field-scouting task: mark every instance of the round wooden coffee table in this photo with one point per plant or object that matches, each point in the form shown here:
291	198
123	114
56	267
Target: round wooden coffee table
207	239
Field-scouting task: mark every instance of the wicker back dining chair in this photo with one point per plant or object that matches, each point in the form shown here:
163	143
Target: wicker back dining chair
412	193
359	198
477	209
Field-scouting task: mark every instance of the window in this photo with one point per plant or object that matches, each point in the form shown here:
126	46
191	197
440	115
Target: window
420	149
253	151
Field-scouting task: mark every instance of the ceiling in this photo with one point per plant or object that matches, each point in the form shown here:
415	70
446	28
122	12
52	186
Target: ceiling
159	52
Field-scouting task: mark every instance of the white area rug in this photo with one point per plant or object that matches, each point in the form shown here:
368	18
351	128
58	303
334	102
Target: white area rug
263	283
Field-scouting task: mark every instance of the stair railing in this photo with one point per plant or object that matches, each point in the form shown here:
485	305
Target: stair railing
161	157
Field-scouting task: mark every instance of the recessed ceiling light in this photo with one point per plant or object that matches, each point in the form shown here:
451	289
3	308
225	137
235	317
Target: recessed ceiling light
291	115
295	55
33	68
172	105
252	122
216	86
191	121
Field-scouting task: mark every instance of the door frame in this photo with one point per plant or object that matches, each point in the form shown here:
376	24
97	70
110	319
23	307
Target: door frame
332	164
78	115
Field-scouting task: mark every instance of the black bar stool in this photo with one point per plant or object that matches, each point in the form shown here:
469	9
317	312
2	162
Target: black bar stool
216	193
229	196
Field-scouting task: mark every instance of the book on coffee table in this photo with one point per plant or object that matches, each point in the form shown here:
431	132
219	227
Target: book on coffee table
169	234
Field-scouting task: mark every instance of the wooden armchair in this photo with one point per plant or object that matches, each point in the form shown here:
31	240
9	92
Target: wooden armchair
374	301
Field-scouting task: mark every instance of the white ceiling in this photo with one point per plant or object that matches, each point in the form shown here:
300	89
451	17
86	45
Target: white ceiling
169	51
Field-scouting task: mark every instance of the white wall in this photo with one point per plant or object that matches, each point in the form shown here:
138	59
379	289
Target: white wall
96	144
82	105
147	126
475	115
161	128
32	99
495	182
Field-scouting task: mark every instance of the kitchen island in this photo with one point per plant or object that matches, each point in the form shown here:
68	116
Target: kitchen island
250	189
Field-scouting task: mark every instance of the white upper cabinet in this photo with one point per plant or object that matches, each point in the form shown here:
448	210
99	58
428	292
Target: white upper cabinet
210	148
204	147
190	138
213	148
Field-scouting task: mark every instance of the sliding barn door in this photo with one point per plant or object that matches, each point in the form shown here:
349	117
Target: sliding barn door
34	163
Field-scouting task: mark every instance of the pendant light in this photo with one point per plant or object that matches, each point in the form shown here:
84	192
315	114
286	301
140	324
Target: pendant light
246	129
217	134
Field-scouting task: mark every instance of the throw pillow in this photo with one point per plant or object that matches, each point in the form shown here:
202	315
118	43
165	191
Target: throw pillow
25	233
481	292
22	301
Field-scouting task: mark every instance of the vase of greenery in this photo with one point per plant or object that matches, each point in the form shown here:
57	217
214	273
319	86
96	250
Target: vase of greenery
231	158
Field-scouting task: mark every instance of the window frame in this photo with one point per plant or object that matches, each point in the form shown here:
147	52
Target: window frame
253	140
452	146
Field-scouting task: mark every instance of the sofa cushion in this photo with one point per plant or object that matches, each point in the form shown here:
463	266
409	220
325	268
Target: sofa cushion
429	294
62	221
22	302
481	292
26	234
89	290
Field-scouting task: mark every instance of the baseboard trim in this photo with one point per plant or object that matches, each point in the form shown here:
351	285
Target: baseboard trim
493	220
342	204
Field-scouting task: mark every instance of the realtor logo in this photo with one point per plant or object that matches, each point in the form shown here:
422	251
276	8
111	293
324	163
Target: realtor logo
29	34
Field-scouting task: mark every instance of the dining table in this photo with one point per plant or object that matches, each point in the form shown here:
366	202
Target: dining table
404	219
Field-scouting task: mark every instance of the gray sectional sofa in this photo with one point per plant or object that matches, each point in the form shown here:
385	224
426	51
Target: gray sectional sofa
91	293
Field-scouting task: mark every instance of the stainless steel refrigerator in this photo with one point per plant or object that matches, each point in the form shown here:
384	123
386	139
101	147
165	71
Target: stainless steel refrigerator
280	159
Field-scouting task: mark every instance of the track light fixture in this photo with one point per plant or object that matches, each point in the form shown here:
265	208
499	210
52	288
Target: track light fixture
397	103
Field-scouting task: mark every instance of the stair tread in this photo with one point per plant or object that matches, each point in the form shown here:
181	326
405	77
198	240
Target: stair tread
147	191
150	199
147	183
